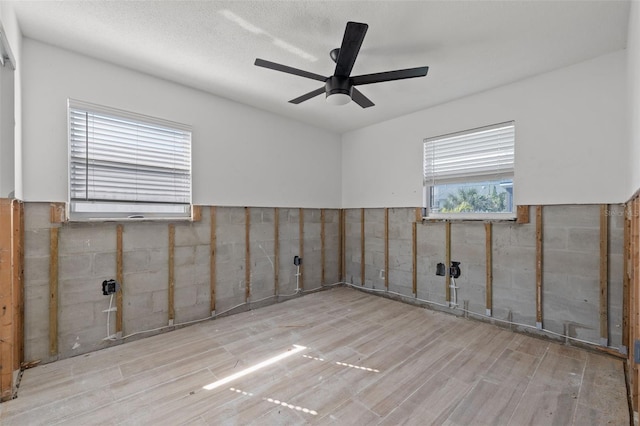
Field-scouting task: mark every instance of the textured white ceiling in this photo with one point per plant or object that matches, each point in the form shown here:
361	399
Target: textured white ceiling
470	46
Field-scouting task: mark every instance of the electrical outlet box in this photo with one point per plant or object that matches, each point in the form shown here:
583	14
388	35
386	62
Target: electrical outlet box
440	270
297	260
636	351
110	287
454	270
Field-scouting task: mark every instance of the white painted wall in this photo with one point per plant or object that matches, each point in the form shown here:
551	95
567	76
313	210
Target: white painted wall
242	156
571	130
633	81
12	154
571	140
7	142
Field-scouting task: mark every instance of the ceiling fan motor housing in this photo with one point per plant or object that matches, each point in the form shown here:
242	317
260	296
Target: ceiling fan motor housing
335	85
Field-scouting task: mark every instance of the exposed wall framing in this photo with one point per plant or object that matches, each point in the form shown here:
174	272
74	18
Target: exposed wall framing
447	261
539	262
341	250
301	278
17	258
488	268
522	214
276	251
322	247
119	278
53	291
57	213
414	259
196	213
386	248
247	254
6	290
604	275
212	259
362	257
634	298
172	281
414	251
11	295
626	278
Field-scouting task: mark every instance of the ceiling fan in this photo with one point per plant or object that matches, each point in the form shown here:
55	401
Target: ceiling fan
340	87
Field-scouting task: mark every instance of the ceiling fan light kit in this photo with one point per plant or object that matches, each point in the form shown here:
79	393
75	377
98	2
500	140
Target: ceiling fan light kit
338	99
340	87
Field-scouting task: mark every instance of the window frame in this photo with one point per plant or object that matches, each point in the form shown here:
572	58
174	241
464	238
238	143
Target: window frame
92	210
428	186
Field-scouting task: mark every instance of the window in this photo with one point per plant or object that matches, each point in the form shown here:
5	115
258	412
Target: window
125	165
469	175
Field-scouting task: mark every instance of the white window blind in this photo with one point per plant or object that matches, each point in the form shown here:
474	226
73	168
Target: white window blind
485	153
117	156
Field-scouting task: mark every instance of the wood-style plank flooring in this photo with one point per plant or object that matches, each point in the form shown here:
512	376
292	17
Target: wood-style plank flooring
368	360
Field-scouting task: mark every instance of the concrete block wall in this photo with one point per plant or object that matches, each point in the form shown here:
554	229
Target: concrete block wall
230	257
571	253
262	255
616	272
312	250
571	259
332	242
192	255
468	246
431	251
400	250
146	276
289	247
514	271
87	255
352	247
36	281
374	242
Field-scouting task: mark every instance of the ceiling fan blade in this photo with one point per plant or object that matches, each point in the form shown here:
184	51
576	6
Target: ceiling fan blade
289	70
361	99
308	96
353	38
389	76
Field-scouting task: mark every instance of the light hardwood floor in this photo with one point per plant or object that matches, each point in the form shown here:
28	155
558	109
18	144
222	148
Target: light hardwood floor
368	360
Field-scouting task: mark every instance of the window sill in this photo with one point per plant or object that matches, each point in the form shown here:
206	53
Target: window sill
96	213
129	219
471	217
